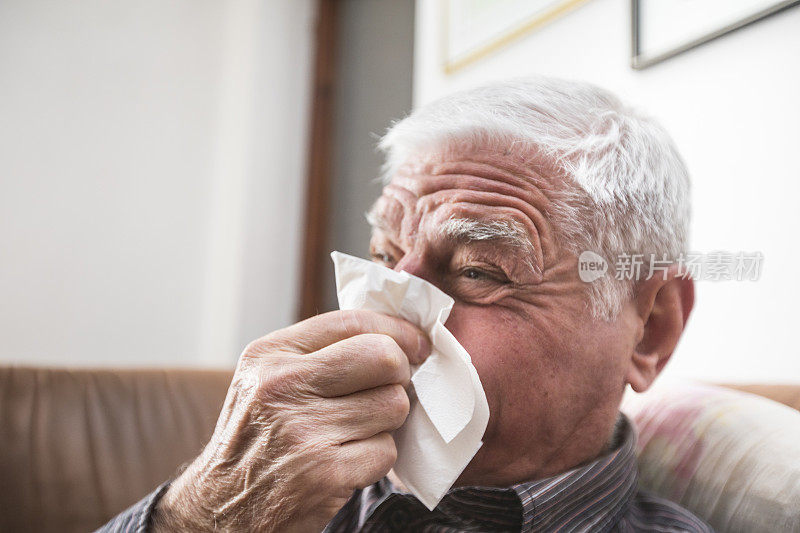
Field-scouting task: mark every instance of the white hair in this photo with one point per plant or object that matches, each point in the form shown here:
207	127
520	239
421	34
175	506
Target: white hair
618	182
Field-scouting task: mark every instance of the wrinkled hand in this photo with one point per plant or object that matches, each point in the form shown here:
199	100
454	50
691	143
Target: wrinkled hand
305	422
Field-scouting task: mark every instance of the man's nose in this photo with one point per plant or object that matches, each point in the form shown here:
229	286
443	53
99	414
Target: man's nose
415	263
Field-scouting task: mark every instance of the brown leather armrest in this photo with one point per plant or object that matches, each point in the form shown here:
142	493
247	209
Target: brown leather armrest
785	394
79	446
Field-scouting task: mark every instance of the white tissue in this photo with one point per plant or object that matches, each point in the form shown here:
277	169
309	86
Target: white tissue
449	411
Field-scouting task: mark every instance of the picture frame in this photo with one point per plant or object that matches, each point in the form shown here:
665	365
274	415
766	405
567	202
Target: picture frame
474	29
662	29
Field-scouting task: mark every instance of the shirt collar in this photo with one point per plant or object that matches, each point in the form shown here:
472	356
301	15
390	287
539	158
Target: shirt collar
592	496
589	497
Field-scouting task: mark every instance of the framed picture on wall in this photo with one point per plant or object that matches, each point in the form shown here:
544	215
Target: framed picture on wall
661	29
474	29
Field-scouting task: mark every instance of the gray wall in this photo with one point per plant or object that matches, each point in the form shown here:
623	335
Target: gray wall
374	87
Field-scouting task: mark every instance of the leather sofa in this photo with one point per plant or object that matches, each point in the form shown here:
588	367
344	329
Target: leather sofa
79	446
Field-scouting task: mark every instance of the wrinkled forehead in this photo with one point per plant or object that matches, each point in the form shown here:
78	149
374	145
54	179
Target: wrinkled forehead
468	198
485	186
468	219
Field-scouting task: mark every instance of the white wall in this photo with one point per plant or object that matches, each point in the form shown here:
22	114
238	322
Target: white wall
151	177
733	108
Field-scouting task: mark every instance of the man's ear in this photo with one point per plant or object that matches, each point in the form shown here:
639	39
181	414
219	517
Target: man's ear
663	306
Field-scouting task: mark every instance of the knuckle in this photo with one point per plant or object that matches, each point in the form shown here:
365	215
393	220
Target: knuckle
388	354
399	402
279	379
250	355
393	404
385	455
262	346
271	375
387	343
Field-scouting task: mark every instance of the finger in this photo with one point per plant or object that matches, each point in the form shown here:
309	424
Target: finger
322	330
365	462
356	364
363	414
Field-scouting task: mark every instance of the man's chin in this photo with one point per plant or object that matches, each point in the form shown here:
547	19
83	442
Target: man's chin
483	471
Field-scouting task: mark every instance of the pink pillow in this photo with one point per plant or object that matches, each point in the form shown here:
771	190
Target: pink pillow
730	457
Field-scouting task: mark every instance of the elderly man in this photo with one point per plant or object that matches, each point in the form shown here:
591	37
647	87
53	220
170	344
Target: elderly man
492	195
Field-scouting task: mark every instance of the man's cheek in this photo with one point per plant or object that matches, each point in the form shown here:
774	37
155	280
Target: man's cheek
471	328
494	347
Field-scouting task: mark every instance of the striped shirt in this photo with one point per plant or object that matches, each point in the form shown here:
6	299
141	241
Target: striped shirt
600	496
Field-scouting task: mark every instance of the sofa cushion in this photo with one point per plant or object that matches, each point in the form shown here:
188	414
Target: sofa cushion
79	446
731	457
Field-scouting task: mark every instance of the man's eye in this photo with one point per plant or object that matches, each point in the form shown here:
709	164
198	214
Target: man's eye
383	257
479	274
474	273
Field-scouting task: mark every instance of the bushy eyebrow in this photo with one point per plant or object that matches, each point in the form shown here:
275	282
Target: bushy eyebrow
508	232
470	229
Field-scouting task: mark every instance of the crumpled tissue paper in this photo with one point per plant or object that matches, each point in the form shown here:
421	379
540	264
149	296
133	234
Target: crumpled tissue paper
449	412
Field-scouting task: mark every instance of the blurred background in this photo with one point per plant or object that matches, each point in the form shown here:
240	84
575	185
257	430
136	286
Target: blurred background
173	174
